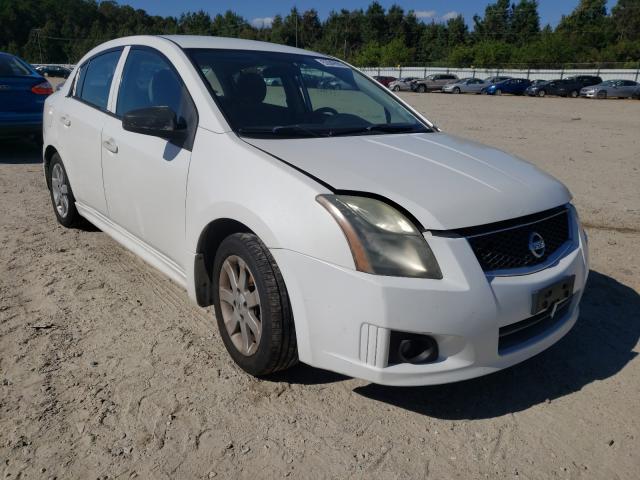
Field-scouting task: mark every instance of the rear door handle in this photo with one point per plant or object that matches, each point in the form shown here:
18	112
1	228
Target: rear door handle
65	121
110	145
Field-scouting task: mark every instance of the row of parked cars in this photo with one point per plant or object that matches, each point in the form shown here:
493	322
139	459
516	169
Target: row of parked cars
590	86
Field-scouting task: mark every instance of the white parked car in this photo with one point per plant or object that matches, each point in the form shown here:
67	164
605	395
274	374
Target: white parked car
335	227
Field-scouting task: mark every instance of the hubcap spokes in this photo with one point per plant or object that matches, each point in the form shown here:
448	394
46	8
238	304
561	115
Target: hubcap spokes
60	190
240	305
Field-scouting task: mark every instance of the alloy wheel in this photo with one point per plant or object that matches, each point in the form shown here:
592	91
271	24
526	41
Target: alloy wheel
60	190
240	305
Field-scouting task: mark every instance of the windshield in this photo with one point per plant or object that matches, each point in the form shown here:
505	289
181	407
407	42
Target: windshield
12	67
283	95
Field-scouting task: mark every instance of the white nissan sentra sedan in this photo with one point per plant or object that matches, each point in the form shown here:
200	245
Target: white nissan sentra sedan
325	219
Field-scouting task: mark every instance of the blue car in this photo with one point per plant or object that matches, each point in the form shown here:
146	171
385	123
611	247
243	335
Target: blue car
514	86
22	95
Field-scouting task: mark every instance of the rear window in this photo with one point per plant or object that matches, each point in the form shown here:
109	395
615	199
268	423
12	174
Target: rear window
12	67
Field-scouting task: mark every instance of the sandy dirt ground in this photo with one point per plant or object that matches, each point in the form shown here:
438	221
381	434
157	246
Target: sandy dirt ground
108	371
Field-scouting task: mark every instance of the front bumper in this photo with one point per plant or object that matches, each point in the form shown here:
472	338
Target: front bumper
344	318
589	94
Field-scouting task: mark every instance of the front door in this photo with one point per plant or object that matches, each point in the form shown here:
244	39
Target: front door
145	177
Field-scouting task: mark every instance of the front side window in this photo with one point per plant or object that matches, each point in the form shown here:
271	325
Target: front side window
282	95
149	81
95	79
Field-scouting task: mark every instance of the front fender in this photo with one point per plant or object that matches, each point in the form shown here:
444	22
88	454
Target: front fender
228	178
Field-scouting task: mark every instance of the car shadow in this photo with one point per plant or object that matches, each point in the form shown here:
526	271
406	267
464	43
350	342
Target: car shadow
599	346
19	151
303	374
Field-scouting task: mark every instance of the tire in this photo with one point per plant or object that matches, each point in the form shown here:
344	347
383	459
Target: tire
456	90
62	198
421	89
573	94
602	95
541	93
261	338
396	88
498	91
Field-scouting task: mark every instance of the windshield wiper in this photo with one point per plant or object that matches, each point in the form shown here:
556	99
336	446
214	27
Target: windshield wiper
279	130
379	128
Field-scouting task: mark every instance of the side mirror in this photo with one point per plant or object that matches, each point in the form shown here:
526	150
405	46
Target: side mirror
155	121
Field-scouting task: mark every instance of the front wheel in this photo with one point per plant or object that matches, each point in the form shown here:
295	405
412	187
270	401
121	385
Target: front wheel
421	89
602	95
573	94
498	92
62	199
456	90
541	93
396	88
252	306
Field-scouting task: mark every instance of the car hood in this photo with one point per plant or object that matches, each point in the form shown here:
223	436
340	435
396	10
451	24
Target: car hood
446	182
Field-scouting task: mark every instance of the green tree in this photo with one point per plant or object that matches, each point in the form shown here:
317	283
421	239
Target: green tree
626	19
495	23
524	22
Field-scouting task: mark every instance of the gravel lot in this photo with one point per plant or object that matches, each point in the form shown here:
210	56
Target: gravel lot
108	371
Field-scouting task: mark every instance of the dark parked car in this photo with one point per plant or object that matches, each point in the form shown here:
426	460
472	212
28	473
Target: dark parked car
22	95
384	80
568	87
53	71
636	93
514	86
434	82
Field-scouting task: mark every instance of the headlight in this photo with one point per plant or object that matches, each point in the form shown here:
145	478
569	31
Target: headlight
382	240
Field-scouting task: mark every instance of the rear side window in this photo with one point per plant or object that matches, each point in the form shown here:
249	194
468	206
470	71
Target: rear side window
12	67
94	81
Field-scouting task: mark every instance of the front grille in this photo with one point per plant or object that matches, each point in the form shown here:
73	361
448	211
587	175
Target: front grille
505	245
516	334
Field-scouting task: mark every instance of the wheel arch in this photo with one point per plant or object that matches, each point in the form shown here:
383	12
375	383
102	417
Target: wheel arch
49	152
209	241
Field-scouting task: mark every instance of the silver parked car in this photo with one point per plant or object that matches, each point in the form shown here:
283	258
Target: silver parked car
465	85
610	88
402	84
434	82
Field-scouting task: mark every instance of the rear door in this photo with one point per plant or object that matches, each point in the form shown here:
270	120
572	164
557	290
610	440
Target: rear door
475	85
627	87
80	128
145	177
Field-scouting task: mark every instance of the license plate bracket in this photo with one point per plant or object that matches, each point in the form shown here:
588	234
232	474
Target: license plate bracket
547	297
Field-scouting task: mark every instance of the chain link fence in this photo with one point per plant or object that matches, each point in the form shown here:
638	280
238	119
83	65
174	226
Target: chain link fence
530	73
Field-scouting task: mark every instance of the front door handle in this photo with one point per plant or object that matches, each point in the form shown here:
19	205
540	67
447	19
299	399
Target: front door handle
65	121
110	145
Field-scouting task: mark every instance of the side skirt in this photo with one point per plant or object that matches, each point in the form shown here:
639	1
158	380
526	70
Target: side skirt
134	244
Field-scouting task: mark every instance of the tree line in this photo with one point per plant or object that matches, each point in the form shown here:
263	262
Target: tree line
61	31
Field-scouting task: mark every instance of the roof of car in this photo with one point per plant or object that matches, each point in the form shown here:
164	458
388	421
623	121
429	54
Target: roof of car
202	41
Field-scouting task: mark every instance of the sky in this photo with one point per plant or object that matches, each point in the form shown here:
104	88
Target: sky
261	12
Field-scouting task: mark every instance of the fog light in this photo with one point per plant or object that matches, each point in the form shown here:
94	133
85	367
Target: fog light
412	348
